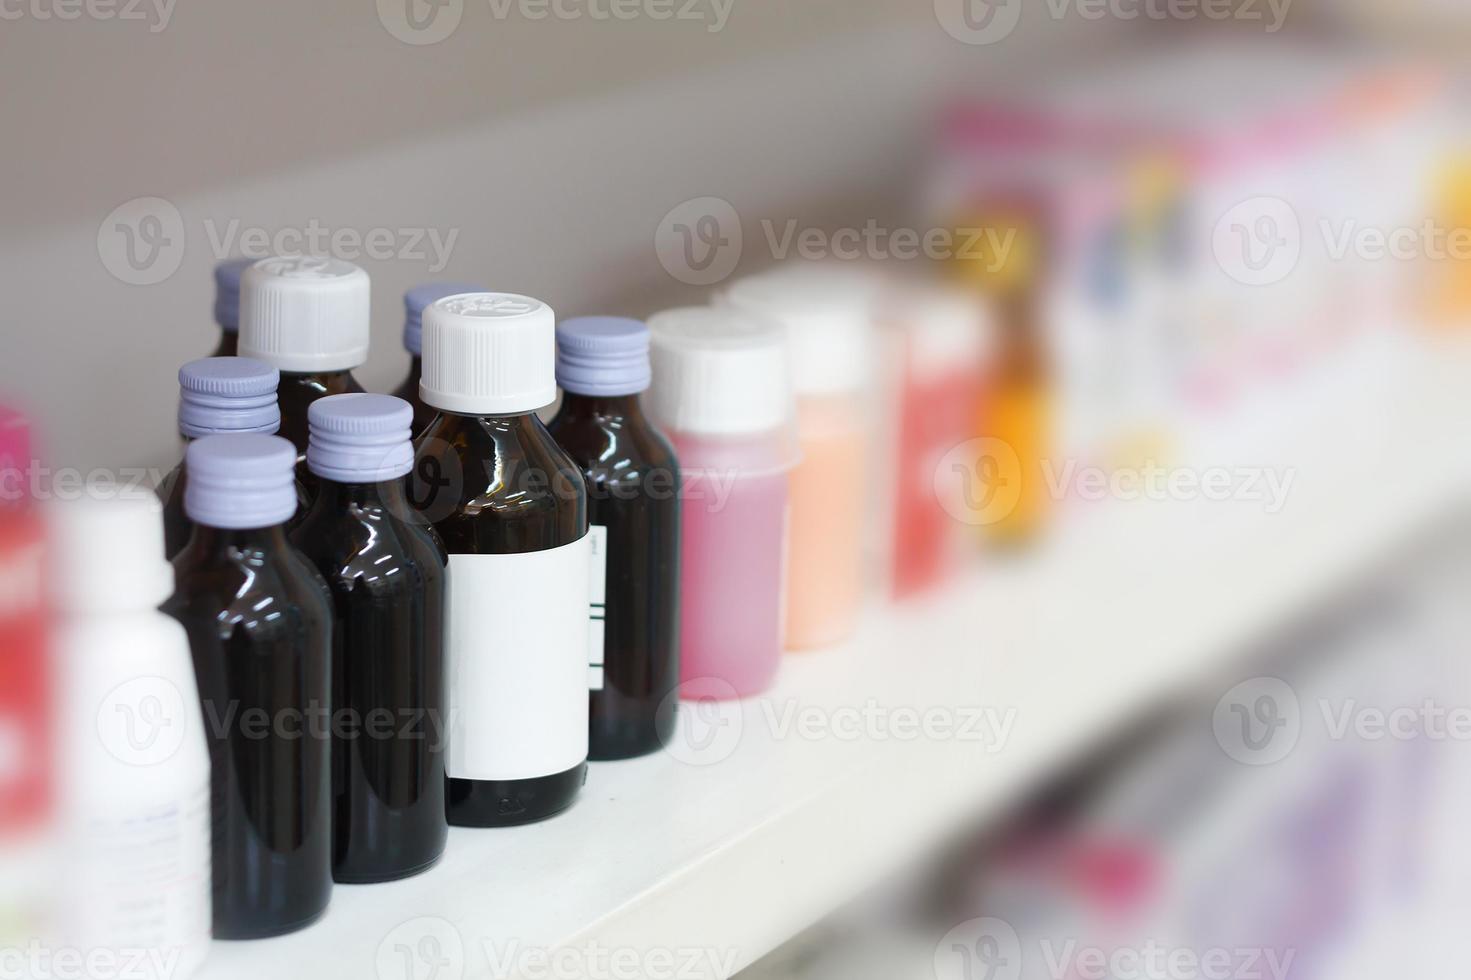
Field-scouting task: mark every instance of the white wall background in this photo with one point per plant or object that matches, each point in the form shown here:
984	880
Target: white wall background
551	149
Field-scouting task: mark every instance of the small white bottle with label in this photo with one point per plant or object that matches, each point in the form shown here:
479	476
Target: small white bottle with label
134	770
512	509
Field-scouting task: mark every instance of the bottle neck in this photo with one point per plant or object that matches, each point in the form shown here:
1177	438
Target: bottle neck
389	495
526	421
186	439
326	380
602	407
212	542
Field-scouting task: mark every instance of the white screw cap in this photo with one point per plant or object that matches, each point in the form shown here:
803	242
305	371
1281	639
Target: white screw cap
719	372
305	314
489	354
947	330
109	552
828	314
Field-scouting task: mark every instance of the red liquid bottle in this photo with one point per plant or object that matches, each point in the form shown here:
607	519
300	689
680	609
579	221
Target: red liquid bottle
25	689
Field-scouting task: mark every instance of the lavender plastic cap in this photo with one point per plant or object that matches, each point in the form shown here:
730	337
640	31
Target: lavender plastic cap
227	293
603	355
360	438
240	481
420	298
228	394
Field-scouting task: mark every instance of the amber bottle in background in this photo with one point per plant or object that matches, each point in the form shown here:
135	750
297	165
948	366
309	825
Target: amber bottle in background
259	620
1010	494
1006	490
227	304
1446	292
386	569
217	395
633	490
308	317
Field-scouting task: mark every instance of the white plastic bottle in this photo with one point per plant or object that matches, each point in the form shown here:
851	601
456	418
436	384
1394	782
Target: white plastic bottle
134	770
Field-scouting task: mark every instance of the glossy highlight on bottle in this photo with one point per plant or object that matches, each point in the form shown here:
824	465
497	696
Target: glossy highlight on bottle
259	620
387	573
512	510
633	488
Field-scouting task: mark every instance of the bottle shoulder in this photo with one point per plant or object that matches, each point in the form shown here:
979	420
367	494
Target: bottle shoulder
614	450
256	588
371	548
498	484
499	466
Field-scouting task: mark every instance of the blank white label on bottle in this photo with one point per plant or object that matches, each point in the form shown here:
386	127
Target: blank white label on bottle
518	627
597	595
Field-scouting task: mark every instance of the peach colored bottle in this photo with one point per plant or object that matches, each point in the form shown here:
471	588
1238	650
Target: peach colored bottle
828	316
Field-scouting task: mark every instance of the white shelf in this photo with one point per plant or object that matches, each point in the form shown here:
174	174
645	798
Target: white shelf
1126	605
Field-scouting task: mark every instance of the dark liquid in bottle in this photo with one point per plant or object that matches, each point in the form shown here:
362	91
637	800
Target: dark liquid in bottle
501	486
386	570
259	623
409	392
177	528
633	482
296	394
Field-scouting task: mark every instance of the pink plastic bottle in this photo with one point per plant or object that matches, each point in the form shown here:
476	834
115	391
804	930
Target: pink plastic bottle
722	393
